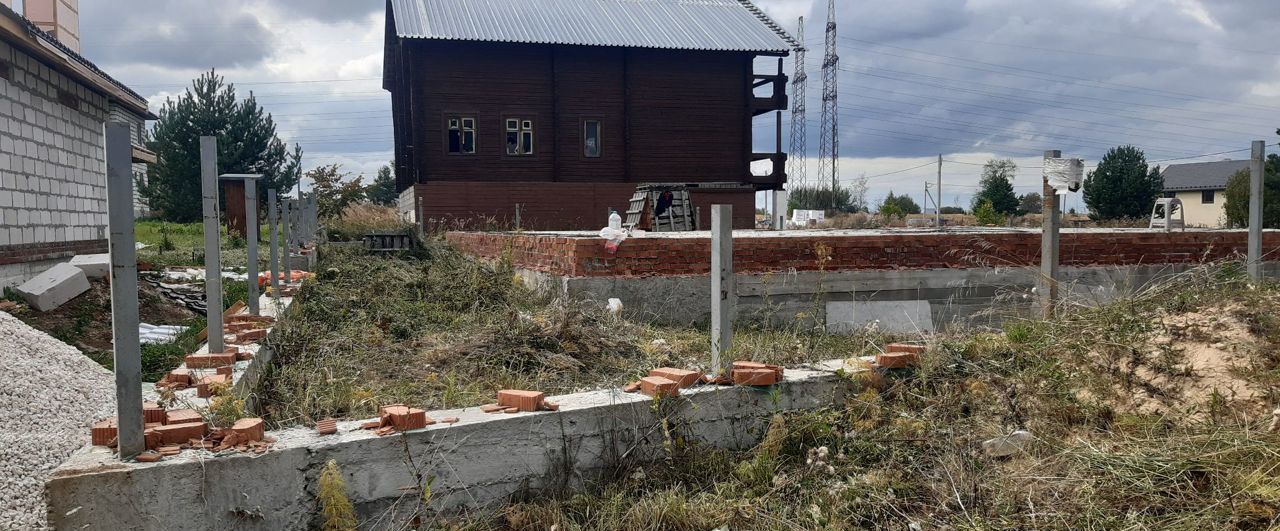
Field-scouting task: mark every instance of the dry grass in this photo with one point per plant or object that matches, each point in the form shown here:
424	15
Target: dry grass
360	219
907	451
438	330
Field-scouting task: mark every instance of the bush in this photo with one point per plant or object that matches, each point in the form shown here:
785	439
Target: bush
364	218
987	215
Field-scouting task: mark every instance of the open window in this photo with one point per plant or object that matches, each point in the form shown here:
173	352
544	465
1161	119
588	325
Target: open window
591	138
462	135
519	136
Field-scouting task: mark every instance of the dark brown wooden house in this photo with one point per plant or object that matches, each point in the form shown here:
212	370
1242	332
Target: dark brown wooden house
559	108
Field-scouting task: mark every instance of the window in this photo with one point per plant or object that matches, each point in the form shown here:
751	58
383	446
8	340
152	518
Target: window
1206	197
462	135
519	136
591	138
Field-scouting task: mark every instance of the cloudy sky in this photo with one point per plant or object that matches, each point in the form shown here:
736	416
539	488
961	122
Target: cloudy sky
970	79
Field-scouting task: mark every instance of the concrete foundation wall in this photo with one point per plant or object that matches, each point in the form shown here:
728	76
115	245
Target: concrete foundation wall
481	462
902	300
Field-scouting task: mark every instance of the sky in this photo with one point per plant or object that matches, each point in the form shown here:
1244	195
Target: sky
1185	80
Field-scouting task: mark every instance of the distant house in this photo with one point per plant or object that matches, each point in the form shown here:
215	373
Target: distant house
559	108
1201	188
54	105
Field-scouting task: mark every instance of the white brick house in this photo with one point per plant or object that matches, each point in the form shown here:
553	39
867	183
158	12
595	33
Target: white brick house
54	105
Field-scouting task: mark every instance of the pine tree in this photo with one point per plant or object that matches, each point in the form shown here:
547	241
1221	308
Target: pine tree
383	190
1122	186
997	187
247	143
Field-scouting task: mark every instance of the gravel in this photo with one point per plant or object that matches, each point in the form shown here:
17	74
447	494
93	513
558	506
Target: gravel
50	394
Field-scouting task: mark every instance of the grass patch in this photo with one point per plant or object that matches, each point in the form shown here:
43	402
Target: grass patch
906	452
436	330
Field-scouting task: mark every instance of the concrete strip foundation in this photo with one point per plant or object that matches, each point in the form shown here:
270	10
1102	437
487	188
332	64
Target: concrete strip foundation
901	301
481	462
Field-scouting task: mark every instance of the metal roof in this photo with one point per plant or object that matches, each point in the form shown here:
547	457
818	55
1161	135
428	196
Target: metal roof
1201	175
717	25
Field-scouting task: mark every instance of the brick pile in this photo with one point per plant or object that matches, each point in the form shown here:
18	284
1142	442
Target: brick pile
586	257
170	432
900	356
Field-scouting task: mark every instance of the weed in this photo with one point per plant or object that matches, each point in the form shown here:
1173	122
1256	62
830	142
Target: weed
336	510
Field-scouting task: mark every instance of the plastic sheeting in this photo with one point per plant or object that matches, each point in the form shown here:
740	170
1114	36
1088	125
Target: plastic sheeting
1064	175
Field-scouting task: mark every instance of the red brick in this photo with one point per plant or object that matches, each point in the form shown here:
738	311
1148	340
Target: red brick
206	385
631	387
226	371
182	416
683	378
756	365
373	424
757	377
250	429
897	360
327	427
521	400
104	433
491	408
449	420
181	433
404	418
905	347
251	336
152	412
210	361
659	386
148	457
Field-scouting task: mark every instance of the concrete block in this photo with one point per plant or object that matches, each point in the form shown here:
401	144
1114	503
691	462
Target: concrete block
890	316
54	287
93	265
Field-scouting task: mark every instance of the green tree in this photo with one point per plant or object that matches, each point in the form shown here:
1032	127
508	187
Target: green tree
334	191
247	143
997	187
1122	186
820	198
1237	205
952	210
987	215
382	191
1030	202
901	203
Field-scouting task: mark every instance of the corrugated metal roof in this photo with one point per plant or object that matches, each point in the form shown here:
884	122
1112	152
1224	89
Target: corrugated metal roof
718	25
1201	175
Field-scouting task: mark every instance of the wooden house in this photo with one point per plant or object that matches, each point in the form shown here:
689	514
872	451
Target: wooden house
558	109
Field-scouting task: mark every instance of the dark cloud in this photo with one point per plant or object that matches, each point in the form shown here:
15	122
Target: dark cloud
181	34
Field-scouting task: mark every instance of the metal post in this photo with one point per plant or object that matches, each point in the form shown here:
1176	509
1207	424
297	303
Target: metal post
724	295
1049	246
1256	171
212	243
124	291
288	235
273	219
251	227
937	202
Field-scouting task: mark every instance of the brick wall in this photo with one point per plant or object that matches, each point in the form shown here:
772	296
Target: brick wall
52	176
554	205
34	252
760	253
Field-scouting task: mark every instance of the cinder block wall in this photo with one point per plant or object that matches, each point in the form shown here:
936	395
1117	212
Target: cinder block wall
52	174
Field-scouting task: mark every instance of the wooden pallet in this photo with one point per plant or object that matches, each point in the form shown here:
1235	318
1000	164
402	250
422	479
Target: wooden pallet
680	216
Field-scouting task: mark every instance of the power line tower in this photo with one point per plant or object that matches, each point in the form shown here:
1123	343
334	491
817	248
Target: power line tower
829	151
799	123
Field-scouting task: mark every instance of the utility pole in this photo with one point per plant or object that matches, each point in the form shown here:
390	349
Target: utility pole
1256	171
829	151
937	203
799	121
1049	245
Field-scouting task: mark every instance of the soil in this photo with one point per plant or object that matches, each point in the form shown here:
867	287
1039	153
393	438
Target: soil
1197	359
85	321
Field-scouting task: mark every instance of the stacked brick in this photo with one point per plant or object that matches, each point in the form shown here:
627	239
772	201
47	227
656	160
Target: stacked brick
169	432
587	257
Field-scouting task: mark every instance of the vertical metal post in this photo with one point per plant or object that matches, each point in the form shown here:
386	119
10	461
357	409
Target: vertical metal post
1256	171
1049	246
724	295
212	242
251	239
124	291
937	202
273	219
288	237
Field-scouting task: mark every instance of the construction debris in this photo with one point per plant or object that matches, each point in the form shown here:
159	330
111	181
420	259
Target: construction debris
53	288
327	427
899	356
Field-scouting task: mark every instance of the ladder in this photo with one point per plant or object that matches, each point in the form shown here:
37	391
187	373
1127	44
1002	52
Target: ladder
661	208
